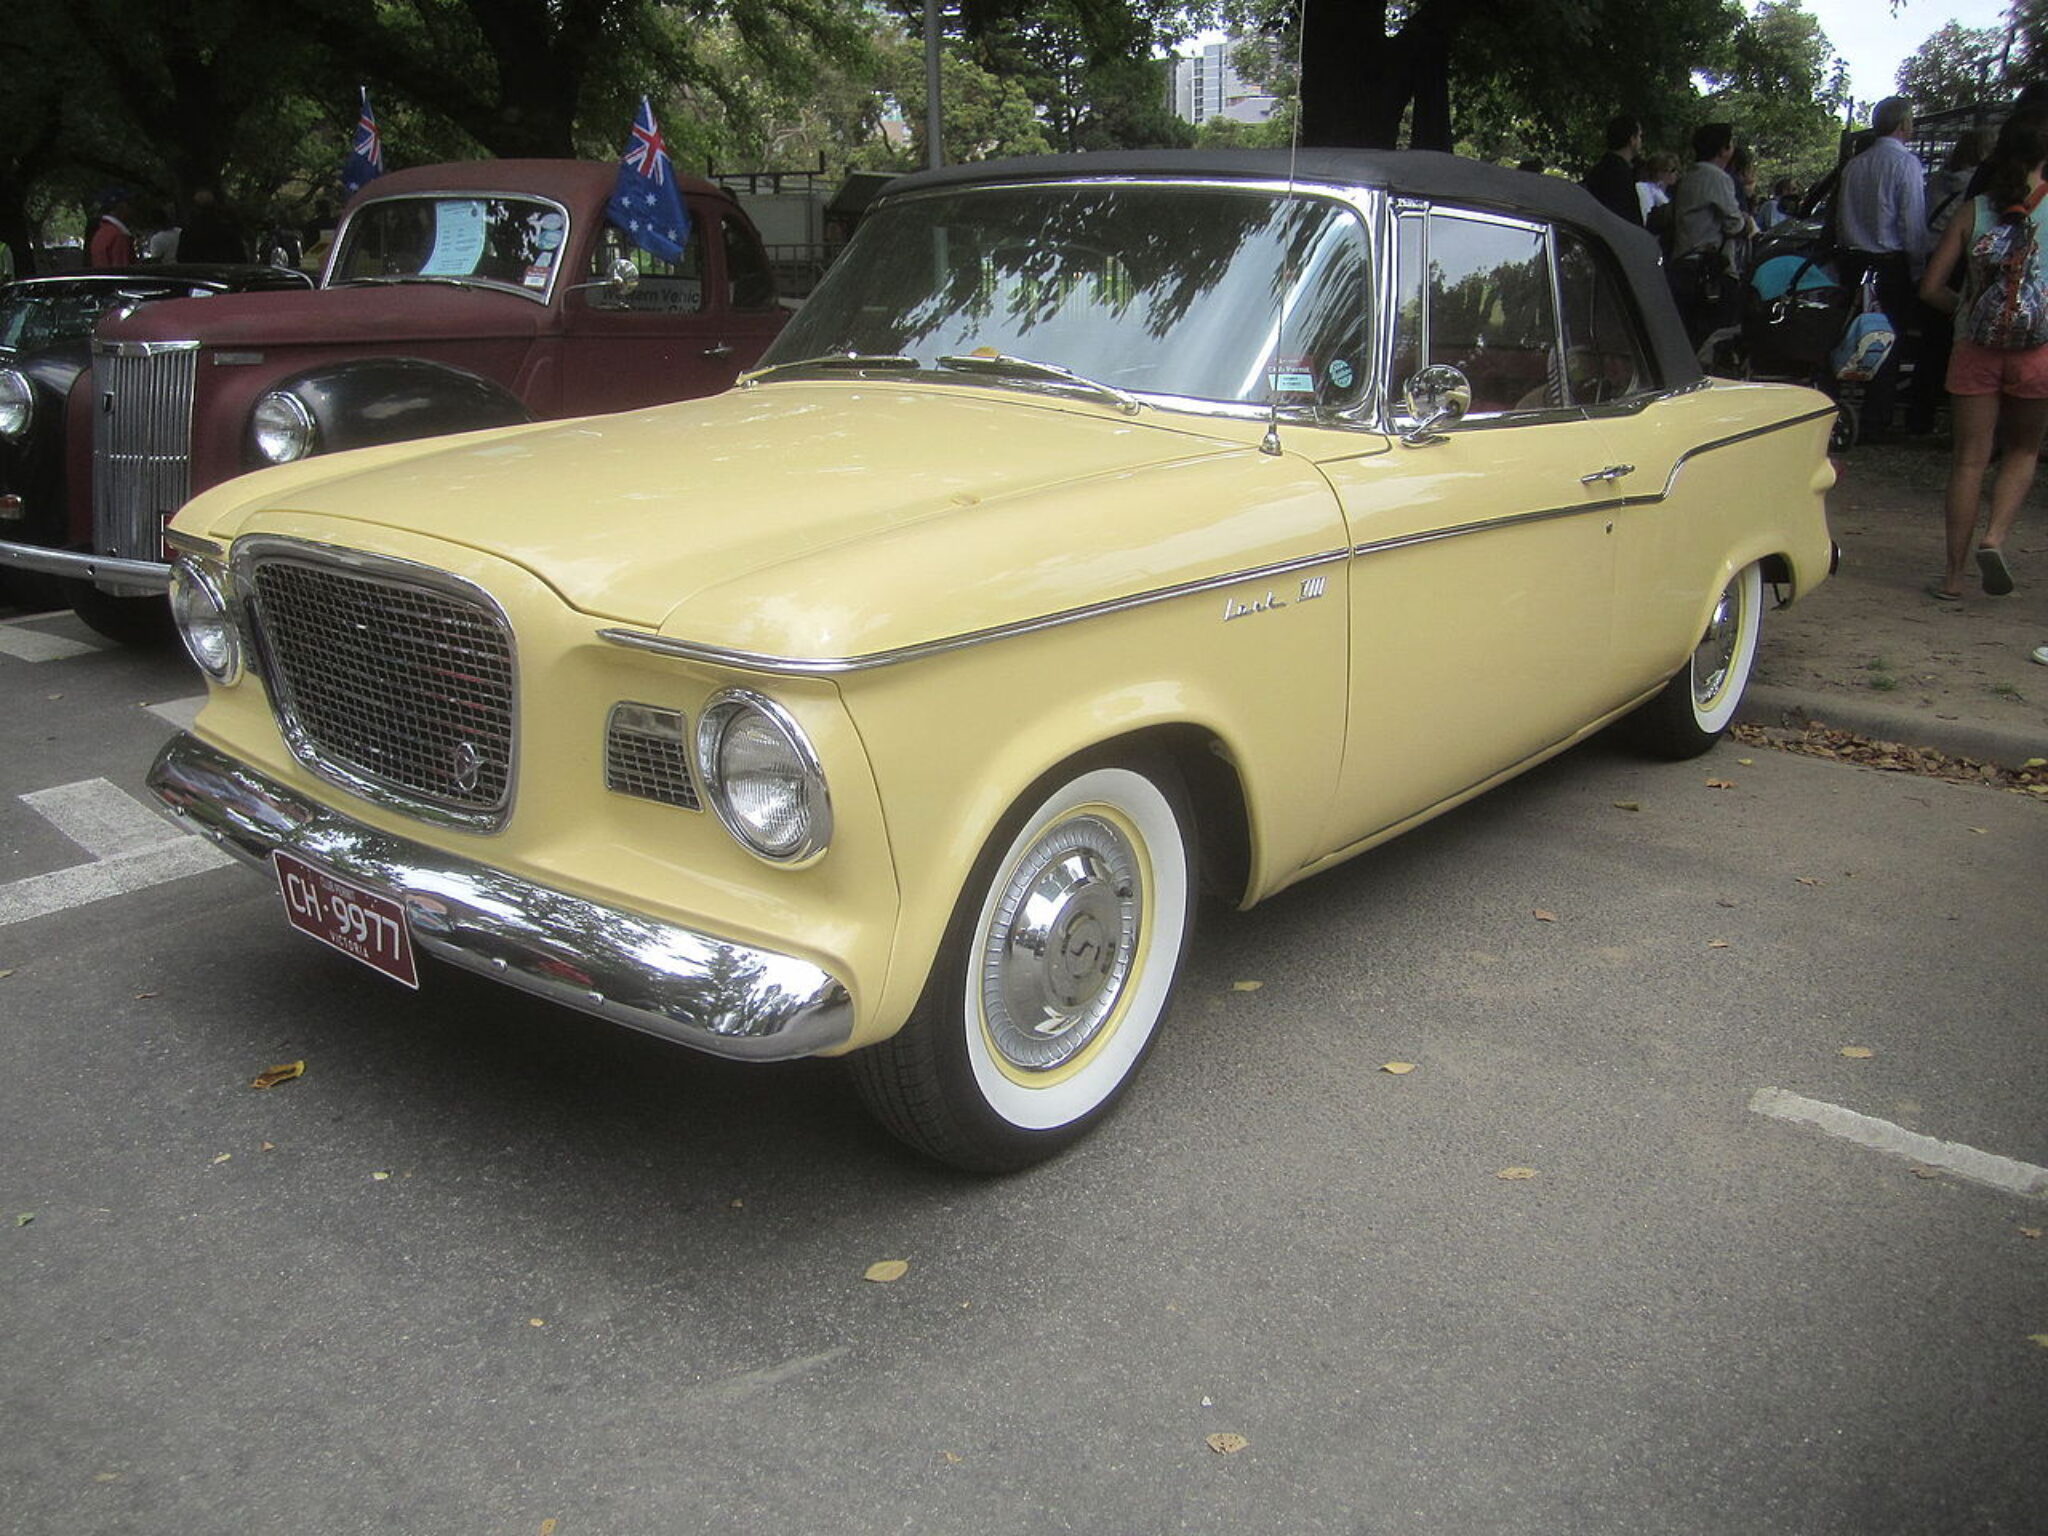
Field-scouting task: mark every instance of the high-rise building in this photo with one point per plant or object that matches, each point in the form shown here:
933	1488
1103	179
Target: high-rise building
1206	84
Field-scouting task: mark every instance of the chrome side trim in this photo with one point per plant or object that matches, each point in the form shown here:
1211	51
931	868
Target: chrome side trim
692	988
832	666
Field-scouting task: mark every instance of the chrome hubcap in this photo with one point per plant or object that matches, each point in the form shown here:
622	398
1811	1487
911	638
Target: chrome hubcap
1715	653
1059	949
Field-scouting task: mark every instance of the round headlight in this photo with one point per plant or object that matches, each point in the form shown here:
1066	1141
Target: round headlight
763	777
282	428
17	403
204	623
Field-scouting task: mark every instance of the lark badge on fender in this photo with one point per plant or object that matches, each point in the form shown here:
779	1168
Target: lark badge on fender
1102	530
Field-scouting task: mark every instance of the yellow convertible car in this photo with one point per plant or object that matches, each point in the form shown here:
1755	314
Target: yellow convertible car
1104	530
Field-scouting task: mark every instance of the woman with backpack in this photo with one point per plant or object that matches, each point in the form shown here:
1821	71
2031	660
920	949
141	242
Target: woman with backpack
1998	370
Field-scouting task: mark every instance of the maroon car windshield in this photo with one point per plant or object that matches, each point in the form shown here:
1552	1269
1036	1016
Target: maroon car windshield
502	242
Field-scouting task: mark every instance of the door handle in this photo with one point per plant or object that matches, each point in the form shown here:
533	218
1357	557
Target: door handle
721	350
1611	472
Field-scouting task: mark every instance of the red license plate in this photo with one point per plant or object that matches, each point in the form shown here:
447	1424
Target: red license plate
342	915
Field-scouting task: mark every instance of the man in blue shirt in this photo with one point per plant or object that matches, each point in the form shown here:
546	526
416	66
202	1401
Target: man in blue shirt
1881	229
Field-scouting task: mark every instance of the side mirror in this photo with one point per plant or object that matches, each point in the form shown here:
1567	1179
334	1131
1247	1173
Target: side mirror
1437	396
619	285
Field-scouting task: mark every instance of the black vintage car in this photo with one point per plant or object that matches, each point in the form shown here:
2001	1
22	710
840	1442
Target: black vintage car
46	326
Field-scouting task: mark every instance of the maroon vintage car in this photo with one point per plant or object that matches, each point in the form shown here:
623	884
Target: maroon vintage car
455	297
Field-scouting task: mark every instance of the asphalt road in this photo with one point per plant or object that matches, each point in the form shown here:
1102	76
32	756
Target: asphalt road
488	1267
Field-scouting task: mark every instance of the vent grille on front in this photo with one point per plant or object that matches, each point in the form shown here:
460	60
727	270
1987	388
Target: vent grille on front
646	753
404	684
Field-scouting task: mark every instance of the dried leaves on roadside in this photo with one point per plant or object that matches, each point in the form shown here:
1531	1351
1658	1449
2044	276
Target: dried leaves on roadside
1227	1445
887	1271
1815	740
279	1074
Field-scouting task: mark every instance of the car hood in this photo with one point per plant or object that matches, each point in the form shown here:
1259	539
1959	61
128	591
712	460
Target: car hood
720	519
388	314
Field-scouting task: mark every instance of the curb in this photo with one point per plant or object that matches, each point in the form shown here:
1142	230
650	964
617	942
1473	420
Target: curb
2007	748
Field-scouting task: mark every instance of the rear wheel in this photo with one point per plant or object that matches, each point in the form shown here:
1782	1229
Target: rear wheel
1054	978
1697	706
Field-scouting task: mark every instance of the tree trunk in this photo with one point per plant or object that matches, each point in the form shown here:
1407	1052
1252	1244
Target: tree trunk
1357	82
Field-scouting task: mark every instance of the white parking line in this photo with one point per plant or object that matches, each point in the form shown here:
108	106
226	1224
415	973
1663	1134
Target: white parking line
132	847
37	645
179	712
1964	1162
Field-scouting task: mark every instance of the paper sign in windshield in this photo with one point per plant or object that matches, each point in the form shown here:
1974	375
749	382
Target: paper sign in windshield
459	230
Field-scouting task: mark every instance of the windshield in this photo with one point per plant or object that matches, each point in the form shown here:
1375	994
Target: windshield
1207	293
506	242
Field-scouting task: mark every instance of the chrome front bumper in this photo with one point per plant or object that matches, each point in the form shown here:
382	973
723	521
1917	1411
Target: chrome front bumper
137	576
725	998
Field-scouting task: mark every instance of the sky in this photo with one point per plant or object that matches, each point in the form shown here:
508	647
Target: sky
1875	43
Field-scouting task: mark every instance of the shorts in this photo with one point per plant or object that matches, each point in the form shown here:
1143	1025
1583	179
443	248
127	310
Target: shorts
1975	370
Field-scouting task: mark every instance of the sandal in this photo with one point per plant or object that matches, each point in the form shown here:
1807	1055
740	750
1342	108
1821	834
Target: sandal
1997	574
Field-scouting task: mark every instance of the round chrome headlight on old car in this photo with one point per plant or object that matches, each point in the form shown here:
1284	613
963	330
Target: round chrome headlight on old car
282	428
204	621
763	777
17	403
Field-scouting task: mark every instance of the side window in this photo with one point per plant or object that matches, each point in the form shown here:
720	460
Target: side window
1490	312
746	267
1604	355
672	288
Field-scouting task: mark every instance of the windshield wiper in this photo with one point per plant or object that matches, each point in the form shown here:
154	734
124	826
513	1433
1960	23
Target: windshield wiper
1001	365
382	278
848	360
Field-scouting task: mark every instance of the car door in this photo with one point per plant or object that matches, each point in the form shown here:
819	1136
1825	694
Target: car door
1483	555
686	328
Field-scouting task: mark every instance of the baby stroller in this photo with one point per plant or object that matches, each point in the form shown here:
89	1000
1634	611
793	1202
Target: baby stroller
1795	311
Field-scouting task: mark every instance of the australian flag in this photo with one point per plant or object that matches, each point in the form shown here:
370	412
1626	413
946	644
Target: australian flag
646	203
365	162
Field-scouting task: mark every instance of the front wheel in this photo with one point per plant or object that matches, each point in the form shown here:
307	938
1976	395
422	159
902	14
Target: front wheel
1697	706
1053	980
142	621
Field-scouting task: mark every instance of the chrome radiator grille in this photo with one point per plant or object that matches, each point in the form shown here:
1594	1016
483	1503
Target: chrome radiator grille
141	442
391	682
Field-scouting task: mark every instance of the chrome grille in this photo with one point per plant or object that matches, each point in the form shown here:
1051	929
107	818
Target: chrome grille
391	681
646	753
141	442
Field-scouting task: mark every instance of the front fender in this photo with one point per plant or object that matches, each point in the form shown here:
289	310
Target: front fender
397	399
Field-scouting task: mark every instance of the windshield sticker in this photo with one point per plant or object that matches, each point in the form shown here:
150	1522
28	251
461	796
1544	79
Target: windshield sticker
1341	374
536	277
1292	376
459	233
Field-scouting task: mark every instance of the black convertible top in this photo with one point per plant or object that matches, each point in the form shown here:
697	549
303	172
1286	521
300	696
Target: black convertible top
1403	172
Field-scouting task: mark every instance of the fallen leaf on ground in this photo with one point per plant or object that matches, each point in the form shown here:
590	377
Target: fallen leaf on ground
951	1457
2040	1339
280	1074
222	1158
547	1526
1628	805
1399	1068
380	1176
1926	1173
739	1205
1227	1445
2031	1234
1858	1052
27	1218
1246	986
1720	783
1542	916
536	1322
5	974
1808	880
1745	762
1724	902
888	1270
1516	1173
1717	943
142	997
